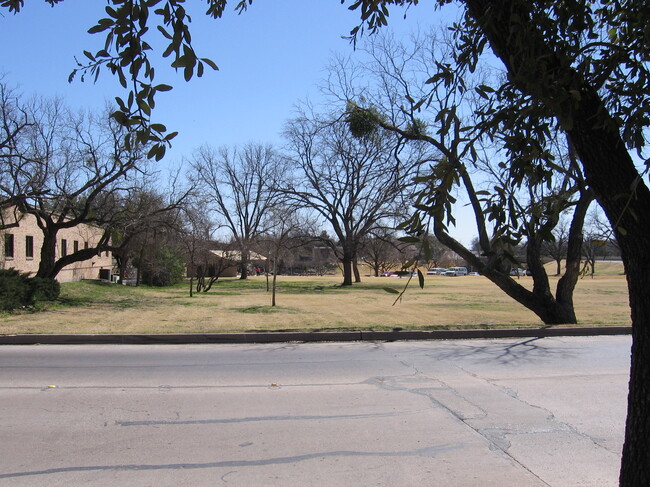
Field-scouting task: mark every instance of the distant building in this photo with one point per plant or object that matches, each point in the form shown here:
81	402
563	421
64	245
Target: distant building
20	247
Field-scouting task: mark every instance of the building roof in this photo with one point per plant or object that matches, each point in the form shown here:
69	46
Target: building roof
236	255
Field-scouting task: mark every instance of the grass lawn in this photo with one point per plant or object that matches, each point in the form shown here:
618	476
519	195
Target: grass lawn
310	304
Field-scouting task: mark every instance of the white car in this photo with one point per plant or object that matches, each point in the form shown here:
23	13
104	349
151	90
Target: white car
436	271
456	271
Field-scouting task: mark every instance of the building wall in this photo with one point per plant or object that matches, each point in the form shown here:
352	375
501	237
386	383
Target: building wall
80	236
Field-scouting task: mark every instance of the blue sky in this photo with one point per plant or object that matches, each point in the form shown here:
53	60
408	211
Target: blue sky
270	58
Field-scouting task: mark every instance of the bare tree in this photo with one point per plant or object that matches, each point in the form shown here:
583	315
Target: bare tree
381	250
16	122
598	240
240	186
352	183
288	232
204	265
65	169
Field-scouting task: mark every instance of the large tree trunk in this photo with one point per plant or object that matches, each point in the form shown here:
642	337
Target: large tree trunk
346	262
46	266
610	173
635	466
567	283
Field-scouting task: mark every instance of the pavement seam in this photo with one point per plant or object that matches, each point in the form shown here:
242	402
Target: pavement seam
492	445
564	426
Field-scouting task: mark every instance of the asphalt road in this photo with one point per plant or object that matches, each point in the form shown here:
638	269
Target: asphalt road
525	412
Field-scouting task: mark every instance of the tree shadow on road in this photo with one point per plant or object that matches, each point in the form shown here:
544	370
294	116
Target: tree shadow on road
506	352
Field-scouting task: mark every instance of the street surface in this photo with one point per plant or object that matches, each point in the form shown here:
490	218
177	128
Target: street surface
516	412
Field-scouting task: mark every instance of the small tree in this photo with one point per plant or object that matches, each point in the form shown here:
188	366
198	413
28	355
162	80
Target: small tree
162	267
381	251
289	232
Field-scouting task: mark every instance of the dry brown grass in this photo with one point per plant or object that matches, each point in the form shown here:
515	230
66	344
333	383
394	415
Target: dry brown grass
309	303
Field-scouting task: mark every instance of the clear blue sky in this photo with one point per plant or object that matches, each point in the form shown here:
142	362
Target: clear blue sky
271	57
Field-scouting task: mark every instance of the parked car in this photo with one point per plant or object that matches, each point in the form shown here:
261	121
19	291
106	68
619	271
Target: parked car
456	271
436	271
518	272
473	274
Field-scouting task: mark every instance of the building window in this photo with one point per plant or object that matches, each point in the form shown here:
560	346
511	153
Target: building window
86	244
64	247
76	246
29	247
9	245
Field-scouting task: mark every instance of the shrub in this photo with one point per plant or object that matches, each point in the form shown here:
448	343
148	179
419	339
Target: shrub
15	290
45	289
165	268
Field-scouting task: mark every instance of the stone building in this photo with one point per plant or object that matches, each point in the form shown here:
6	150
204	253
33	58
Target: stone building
20	247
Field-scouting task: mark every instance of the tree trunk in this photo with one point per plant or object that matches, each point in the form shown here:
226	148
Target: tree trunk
123	263
611	173
567	283
355	270
275	277
48	256
346	262
244	265
635	465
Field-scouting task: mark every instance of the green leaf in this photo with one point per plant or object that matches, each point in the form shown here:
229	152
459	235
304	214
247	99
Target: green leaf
182	62
210	63
101	26
409	239
144	106
421	279
391	290
161	152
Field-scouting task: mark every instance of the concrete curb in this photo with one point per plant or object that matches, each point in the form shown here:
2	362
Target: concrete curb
279	337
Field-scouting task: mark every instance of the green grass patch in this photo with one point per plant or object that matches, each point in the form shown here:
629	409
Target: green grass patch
258	309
